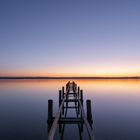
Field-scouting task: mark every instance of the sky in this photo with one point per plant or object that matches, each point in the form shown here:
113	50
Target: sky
69	38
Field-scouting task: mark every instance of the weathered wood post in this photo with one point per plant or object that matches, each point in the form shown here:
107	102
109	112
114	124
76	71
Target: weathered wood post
60	97
63	95
75	87
81	95
67	86
63	91
78	92
50	114
75	94
67	97
89	113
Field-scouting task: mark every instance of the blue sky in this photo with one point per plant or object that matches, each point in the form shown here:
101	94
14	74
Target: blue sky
69	37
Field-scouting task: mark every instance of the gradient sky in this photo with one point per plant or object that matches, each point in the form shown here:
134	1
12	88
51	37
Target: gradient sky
69	37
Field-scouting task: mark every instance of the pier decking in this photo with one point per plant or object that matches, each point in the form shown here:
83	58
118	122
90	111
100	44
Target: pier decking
72	94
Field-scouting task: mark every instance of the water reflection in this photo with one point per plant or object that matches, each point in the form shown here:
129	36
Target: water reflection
115	107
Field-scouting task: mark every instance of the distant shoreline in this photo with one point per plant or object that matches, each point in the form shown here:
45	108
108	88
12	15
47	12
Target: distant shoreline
70	77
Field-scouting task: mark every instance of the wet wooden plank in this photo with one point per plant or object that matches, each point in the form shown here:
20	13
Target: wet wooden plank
90	131
54	125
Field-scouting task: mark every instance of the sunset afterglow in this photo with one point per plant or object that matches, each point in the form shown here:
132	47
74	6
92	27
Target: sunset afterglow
80	72
69	38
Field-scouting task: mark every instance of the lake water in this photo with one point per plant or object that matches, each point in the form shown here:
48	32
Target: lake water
115	109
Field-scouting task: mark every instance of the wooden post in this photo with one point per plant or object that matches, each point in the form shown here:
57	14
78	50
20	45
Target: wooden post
89	114
60	97
78	91
50	114
63	98
78	98
74	91
67	86
81	95
67	97
75	87
63	90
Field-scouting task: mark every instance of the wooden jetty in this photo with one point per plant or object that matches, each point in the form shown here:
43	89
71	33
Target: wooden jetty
72	94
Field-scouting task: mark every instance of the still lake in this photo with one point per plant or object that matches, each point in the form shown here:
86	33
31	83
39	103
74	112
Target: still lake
115	109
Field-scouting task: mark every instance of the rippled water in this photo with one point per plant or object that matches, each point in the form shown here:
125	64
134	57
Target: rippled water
115	109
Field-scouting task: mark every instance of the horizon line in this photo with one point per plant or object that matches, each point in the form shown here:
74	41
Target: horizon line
69	77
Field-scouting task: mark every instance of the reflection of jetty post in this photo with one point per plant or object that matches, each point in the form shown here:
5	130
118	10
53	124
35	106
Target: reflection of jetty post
72	95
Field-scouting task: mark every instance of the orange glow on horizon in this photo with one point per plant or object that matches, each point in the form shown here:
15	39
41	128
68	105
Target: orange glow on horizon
77	72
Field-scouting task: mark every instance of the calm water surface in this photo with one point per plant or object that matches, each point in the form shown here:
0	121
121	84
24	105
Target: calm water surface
115	108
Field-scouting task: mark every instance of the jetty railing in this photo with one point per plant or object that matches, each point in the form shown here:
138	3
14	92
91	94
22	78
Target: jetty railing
75	95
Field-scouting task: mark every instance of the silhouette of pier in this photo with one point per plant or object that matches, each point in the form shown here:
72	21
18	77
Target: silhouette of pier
72	94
